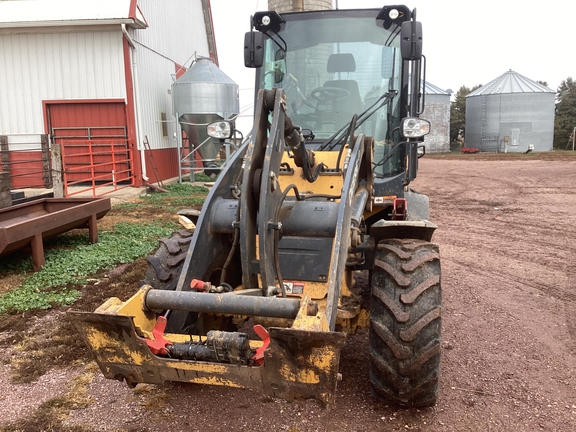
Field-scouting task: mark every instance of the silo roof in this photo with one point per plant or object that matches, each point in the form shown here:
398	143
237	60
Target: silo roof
431	89
511	82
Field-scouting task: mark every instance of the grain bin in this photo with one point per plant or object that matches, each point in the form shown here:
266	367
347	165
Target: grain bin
437	112
510	114
204	94
282	6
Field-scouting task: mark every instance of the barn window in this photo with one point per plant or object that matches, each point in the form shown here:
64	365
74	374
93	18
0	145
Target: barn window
164	123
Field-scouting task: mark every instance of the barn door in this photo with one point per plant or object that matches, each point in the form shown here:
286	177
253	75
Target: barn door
94	141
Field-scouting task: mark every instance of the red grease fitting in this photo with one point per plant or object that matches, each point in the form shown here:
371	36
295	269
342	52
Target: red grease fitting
198	285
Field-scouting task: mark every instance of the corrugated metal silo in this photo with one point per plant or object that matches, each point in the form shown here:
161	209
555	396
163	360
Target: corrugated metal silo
437	112
205	94
510	114
282	6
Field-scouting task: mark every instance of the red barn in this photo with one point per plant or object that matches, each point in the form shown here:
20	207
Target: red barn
95	77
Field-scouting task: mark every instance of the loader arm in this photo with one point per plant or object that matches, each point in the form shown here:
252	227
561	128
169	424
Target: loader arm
258	221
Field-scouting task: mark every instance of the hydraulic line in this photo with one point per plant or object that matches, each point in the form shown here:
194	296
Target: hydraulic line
277	234
350	135
232	248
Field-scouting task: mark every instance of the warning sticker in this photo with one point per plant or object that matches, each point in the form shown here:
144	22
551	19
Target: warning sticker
379	200
294	287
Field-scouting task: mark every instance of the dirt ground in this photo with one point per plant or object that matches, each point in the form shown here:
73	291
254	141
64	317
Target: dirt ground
507	240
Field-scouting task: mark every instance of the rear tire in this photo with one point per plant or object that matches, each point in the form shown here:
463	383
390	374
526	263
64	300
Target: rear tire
165	266
405	322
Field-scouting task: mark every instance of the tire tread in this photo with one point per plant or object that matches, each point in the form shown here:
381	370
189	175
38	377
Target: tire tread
405	322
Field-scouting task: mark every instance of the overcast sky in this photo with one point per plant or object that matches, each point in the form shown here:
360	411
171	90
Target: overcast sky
465	43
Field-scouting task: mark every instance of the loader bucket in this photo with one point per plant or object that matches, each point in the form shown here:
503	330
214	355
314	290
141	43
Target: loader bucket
298	364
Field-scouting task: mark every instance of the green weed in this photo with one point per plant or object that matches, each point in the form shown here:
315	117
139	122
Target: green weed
201	177
180	195
71	260
71	266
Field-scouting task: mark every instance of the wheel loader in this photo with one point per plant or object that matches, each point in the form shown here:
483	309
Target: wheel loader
265	291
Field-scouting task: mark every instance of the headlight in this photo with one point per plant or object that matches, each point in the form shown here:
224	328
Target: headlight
219	129
415	127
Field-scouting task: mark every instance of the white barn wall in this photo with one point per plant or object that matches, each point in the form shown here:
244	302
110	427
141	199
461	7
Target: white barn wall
49	66
176	31
90	65
154	82
56	61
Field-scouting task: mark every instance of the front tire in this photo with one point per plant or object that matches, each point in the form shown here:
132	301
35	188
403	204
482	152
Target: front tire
405	322
165	265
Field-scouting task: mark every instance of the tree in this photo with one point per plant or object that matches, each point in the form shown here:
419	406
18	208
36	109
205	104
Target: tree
565	87
458	111
565	120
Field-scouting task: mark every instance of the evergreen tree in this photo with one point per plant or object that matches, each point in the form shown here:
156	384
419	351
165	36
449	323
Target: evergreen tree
458	111
565	120
565	87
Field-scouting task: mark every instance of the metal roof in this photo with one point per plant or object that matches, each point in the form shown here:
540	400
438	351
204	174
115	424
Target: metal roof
432	89
47	13
511	82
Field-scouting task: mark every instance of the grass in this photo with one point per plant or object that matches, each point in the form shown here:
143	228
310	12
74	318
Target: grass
180	195
72	265
201	177
71	260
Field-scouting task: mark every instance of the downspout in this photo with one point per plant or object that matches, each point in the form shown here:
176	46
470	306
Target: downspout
209	25
139	146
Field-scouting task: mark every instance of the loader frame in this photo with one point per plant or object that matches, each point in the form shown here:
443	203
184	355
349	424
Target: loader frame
301	358
265	296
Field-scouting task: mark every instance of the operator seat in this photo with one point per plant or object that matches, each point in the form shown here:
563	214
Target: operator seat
345	108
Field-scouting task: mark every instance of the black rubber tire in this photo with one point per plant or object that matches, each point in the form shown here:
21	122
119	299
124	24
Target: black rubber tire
165	265
405	322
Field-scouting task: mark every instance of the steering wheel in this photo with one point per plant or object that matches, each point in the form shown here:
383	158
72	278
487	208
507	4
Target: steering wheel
330	94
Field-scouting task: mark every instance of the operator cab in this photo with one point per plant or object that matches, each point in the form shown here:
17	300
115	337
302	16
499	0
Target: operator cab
339	99
335	64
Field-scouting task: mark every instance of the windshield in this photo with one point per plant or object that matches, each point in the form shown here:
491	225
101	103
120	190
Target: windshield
332	67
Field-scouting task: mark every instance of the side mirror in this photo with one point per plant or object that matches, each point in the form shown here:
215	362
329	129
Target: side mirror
253	49
411	40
